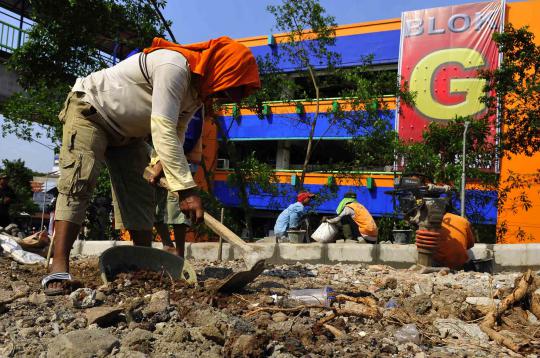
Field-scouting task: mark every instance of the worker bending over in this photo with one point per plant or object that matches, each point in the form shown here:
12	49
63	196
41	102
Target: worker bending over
355	220
454	244
108	114
290	218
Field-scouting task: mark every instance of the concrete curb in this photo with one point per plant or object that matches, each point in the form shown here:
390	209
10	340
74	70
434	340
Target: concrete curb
507	257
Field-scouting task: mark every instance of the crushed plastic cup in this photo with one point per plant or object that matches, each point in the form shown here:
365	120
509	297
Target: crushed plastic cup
314	296
408	333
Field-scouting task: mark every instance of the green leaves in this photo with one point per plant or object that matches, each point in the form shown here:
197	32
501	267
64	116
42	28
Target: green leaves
258	177
298	17
19	181
516	84
63	45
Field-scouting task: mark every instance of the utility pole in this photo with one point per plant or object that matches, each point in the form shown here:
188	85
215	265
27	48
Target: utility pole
463	162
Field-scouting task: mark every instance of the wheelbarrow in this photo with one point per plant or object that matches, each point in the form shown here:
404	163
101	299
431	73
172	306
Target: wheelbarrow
136	258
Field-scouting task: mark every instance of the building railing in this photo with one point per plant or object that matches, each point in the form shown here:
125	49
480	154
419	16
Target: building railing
11	37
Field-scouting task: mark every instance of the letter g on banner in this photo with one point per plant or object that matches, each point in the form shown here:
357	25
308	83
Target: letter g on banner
422	82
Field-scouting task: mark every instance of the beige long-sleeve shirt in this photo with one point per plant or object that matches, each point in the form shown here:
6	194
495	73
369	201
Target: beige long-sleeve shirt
161	104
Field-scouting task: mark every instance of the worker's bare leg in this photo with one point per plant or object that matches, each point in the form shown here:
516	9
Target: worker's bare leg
180	238
64	237
141	237
163	231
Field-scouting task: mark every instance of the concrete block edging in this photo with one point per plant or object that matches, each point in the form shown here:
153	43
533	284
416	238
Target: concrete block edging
507	257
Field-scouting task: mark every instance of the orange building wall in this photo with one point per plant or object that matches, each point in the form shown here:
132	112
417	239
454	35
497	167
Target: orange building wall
521	14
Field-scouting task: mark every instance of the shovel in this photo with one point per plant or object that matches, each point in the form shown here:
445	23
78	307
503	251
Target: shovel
251	258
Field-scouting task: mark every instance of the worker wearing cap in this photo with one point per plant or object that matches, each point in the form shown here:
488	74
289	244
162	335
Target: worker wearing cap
109	113
290	218
356	221
6	199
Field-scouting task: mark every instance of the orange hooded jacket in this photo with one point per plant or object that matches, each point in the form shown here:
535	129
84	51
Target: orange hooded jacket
222	63
456	238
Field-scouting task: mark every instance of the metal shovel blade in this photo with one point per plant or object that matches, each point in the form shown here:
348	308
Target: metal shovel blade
135	258
238	280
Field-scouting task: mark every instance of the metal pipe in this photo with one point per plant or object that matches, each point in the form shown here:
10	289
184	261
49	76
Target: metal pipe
463	162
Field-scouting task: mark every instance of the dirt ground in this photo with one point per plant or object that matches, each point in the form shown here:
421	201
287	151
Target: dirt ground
382	312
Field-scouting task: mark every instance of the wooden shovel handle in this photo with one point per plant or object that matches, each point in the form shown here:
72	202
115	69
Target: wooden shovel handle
209	220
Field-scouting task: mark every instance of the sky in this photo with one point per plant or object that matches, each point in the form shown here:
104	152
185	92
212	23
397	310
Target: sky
195	21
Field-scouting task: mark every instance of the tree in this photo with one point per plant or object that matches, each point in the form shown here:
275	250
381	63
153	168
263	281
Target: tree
516	84
249	176
19	181
310	34
63	45
514	91
368	116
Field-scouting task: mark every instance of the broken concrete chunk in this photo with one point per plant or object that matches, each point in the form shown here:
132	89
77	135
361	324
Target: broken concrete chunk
5	295
247	346
482	301
213	333
387	283
102	316
100	296
279	317
138	340
159	302
455	328
37	298
83	298
20	288
424	288
82	343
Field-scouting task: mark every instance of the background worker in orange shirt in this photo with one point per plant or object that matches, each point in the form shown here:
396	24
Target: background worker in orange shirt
356	221
456	238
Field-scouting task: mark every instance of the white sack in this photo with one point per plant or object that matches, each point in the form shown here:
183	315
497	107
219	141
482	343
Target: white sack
14	250
326	232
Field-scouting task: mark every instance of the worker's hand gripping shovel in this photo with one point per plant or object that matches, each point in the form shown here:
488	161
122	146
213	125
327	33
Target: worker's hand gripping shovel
251	258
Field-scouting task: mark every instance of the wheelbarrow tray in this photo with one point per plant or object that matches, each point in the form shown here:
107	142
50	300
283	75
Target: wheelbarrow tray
136	258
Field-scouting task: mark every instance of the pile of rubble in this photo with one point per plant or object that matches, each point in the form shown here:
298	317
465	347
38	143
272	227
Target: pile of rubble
376	311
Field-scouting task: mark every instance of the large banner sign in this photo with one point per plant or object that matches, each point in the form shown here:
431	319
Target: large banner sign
441	51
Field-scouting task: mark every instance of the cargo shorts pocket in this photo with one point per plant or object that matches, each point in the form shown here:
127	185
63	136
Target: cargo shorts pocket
78	173
63	112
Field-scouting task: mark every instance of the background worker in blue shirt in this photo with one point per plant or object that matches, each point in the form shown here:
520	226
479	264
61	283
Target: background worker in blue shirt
290	218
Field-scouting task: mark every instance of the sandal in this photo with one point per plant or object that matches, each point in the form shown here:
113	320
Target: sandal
68	284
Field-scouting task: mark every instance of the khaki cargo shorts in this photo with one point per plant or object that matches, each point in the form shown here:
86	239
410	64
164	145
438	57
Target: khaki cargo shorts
88	143
168	209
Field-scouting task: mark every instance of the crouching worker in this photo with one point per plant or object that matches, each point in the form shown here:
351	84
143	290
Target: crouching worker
356	222
291	218
454	243
106	118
